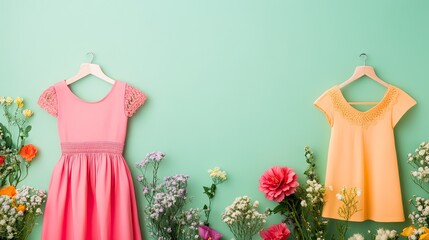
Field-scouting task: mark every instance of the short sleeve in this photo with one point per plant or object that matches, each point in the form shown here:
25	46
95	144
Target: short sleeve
134	98
324	104
403	103
48	101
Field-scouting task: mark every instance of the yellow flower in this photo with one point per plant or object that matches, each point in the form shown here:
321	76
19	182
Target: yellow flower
406	232
217	175
20	208
27	113
9	100
19	101
425	235
2	100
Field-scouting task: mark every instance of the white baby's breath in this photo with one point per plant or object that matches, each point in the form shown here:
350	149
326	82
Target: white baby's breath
12	220
356	236
243	219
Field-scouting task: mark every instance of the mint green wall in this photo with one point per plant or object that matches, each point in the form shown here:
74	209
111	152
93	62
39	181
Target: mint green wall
230	83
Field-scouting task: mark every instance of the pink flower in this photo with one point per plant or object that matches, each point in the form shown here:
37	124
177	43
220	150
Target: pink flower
278	182
275	232
207	233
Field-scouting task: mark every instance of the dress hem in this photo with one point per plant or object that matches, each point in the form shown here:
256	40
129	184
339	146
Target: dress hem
369	219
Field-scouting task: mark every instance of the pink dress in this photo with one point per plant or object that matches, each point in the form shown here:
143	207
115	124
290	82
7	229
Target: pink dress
91	194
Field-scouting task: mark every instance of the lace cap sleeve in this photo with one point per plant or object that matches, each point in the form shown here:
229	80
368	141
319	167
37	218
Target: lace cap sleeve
403	103
48	101
133	100
324	104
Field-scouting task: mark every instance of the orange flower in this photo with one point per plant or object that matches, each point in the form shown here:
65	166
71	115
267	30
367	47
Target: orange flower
8	191
21	208
28	152
408	231
425	235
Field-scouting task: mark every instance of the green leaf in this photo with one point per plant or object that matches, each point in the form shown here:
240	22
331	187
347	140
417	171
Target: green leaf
205	207
213	188
208	192
28	129
7	136
25	131
278	208
23	135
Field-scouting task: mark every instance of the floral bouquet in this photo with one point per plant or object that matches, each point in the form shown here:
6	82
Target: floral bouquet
420	161
300	206
165	216
420	175
15	156
420	216
243	219
19	209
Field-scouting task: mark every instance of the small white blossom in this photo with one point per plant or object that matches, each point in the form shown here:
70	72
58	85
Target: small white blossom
242	216
356	236
385	234
358	192
9	100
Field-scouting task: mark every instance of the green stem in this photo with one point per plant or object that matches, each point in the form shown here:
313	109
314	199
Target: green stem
26	174
7	115
294	217
421	185
344	229
18	148
207	213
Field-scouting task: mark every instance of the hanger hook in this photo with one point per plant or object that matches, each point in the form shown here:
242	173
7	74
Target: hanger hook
365	58
92	54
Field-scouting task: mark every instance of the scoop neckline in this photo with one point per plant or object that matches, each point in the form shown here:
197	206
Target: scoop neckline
88	102
380	103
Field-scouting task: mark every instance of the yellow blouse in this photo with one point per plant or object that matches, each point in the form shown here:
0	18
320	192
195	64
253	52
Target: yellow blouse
362	154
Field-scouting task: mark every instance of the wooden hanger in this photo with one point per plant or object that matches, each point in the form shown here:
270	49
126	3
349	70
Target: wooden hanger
361	71
90	68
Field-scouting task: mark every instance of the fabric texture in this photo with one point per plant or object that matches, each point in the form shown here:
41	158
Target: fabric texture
362	154
48	101
91	193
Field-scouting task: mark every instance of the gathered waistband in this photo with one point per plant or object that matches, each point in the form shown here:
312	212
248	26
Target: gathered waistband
92	147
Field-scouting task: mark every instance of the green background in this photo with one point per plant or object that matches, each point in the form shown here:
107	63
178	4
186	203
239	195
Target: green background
229	83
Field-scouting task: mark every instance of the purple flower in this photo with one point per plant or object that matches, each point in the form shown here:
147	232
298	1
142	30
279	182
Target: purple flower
140	178
143	163
181	192
208	233
155	156
151	157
